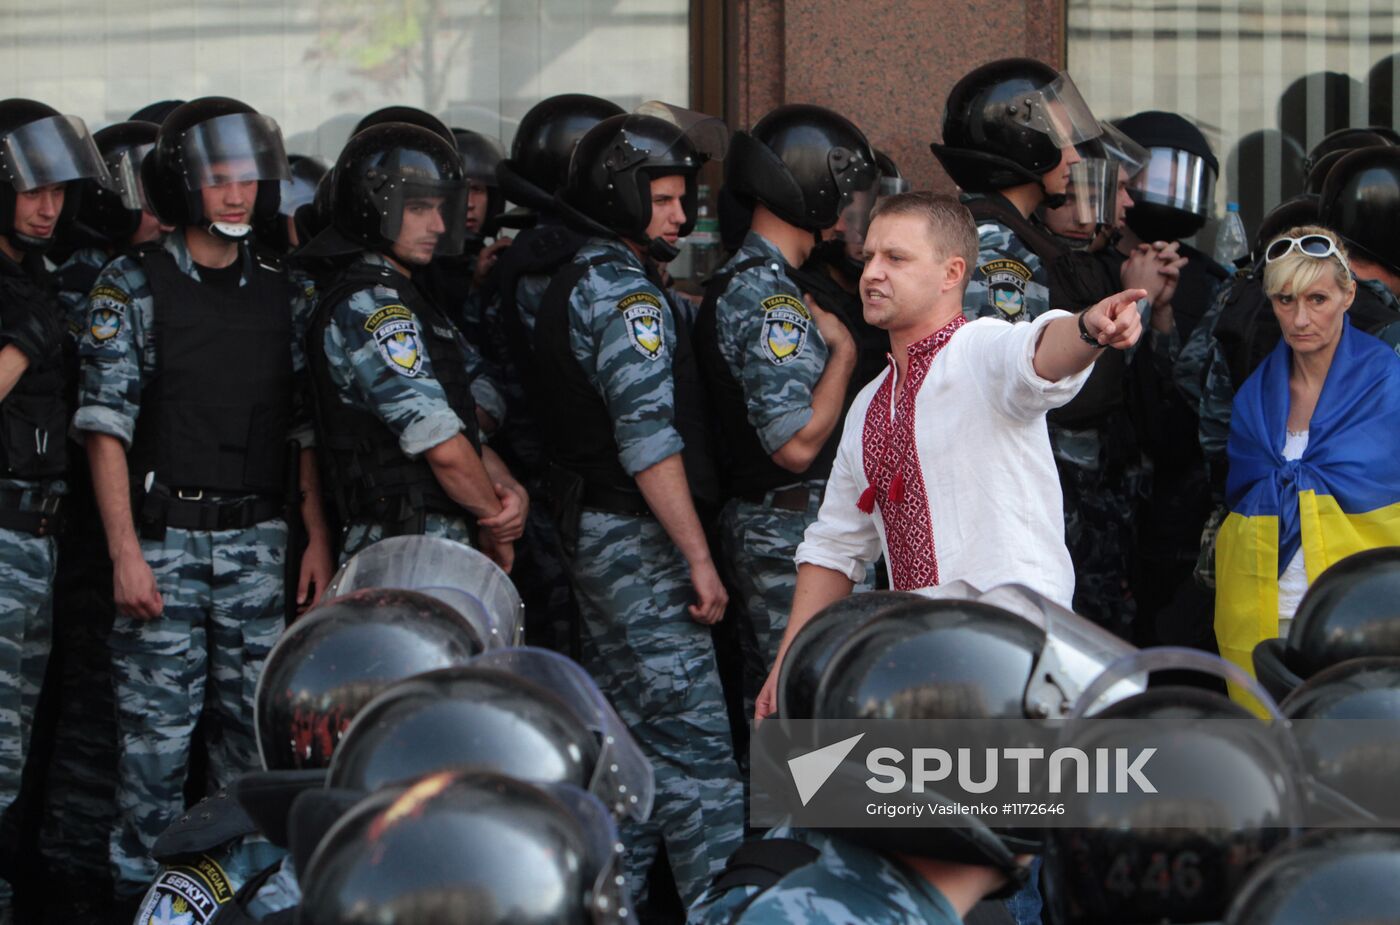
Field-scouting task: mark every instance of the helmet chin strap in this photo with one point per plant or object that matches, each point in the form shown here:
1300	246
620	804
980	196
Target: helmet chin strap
30	244
227	231
660	250
1053	200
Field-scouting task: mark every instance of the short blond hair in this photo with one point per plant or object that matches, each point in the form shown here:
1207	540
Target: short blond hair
950	224
1296	271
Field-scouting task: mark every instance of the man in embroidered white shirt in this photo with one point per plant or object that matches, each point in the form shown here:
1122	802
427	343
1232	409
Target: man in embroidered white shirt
945	462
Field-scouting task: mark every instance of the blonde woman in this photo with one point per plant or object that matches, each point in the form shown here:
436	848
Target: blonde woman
1314	448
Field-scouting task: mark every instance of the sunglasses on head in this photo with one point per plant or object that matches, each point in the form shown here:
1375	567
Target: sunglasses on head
1309	245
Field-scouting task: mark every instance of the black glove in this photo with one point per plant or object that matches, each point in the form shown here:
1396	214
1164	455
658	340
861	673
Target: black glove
31	318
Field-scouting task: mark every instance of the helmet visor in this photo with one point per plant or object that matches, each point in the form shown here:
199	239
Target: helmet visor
608	899
451	572
893	185
236	148
48	151
420	205
623	779
709	135
1093	191
1177	179
124	167
1059	111
296	192
1130	155
854	221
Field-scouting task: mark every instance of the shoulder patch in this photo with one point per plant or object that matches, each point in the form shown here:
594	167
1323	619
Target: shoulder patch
398	339
1006	285
785	324
642	312
186	895
106	308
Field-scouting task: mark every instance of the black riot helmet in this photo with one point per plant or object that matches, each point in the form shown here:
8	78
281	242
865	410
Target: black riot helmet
481	155
1346	139
1226	795
208	142
610	173
334	660
157	111
1006	123
1291	213
811	649
468	847
1175	194
544	141
803	162
297	191
409	115
109	215
960	653
379	172
40	147
1361	202
529	713
1351	611
891	180
1359	760
1324	878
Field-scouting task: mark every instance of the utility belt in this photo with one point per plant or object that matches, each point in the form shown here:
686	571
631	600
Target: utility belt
797	498
17	512
160	508
405	512
570	495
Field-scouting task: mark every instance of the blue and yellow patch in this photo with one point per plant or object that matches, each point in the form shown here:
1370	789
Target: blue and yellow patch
785	324
106	309
642	312
1006	285
398	338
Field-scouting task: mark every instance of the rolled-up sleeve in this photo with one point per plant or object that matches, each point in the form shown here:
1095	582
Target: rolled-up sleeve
1003	355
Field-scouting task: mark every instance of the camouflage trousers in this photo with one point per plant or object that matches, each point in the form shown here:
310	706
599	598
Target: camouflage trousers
223	594
80	807
26	626
657	667
1100	507
359	535
757	544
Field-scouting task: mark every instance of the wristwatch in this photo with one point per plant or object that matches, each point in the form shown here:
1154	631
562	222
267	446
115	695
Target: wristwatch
1088	338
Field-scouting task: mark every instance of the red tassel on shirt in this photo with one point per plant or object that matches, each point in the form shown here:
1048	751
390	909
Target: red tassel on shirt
867	500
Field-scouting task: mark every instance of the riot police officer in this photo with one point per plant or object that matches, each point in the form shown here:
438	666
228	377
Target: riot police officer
391	375
778	366
190	412
42	153
627	434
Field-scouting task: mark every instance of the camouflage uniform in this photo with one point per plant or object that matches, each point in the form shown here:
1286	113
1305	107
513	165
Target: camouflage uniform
412	404
27	568
656	665
1012	283
80	801
846	883
223	590
777	372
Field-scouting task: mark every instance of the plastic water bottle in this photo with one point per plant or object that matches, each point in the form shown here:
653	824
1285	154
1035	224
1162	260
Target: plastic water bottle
704	239
1231	242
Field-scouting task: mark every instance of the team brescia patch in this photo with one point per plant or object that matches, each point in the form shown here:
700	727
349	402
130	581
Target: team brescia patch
1006	285
106	309
642	313
785	324
398	338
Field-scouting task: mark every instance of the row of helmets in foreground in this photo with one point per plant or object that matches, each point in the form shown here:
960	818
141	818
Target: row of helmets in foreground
422	766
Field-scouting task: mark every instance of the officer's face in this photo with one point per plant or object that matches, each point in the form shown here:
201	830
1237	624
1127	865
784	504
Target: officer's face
667	211
477	197
905	274
37	211
1057	180
229	200
422	227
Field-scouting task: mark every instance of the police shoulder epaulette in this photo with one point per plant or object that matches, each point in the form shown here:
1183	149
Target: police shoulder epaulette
213	821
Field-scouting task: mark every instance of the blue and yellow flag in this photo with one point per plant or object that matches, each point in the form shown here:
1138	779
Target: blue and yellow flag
1341	497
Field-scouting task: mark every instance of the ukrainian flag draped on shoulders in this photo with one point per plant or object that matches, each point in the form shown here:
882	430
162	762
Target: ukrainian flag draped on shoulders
1341	497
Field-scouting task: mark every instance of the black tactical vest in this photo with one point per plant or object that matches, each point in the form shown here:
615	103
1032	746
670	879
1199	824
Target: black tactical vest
369	475
745	468
541	250
34	415
216	415
577	423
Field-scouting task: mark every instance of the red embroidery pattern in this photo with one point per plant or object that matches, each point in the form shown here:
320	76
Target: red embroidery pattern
896	480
